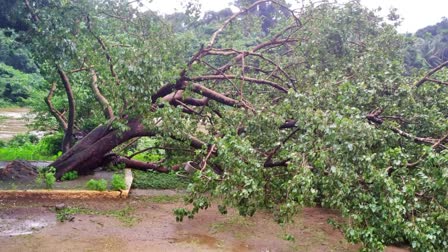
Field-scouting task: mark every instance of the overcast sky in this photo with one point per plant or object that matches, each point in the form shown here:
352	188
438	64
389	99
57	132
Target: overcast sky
416	13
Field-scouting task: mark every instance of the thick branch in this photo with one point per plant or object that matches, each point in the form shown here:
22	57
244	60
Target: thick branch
67	142
108	112
269	163
375	118
33	14
230	19
426	140
440	141
56	114
106	51
437	81
163	91
89	153
273	42
158	148
242	12
213	95
196	142
243	54
290	123
145	166
232	77
430	73
195	101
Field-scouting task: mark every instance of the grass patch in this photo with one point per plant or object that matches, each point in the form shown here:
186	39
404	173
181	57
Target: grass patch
29	147
25	152
125	215
155	180
97	185
163	199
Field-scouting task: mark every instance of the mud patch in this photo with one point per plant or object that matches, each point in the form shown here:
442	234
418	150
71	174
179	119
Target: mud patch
157	229
199	239
19	171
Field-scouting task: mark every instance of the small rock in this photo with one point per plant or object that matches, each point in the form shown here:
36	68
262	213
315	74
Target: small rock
59	206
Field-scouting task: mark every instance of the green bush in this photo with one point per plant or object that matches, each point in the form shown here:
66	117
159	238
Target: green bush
46	176
28	147
155	180
71	175
98	185
22	139
16	86
25	152
51	144
118	182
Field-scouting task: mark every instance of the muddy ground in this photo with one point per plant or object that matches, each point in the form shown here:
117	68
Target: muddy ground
144	222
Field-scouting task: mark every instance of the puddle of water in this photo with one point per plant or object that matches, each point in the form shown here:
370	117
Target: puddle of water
199	239
14	227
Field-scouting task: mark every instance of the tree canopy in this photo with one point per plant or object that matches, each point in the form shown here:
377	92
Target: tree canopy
272	108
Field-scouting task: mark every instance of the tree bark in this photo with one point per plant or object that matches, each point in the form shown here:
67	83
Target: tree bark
56	114
68	136
91	151
108	111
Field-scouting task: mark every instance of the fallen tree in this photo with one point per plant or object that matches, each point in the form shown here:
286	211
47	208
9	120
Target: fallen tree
310	108
189	92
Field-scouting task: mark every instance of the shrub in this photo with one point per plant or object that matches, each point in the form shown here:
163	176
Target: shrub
155	180
51	144
46	175
71	175
118	182
22	139
98	185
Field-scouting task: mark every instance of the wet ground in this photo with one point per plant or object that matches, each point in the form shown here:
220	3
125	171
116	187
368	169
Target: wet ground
12	122
149	225
35	163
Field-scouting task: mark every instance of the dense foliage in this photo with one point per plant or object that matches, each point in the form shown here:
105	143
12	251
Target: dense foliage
30	147
429	46
359	137
19	81
16	87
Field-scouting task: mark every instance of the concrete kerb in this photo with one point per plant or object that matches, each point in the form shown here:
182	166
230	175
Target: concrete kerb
71	194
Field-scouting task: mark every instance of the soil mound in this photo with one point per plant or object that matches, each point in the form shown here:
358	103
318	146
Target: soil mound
19	171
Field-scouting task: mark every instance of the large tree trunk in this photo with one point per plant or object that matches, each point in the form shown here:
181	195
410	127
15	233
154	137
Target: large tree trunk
91	152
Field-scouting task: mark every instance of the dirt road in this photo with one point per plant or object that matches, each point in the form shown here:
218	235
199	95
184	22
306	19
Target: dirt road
146	223
149	225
